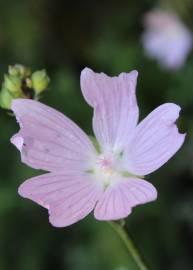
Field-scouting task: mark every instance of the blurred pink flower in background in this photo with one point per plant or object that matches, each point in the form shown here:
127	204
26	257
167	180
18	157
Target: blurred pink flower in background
166	39
80	179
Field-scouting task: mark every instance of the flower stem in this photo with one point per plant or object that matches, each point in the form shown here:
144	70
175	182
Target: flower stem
118	227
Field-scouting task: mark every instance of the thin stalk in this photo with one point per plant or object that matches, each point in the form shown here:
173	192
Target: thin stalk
119	229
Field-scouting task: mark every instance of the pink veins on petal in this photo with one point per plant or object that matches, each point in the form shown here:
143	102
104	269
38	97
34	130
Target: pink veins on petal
80	179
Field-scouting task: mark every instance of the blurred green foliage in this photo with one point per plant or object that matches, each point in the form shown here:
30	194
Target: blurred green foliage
64	37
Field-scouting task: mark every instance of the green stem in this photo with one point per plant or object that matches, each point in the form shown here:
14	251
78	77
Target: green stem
129	244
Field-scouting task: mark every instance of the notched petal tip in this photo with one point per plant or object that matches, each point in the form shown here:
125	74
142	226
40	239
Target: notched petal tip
86	74
174	109
18	141
86	70
167	112
172	117
134	74
130	77
162	139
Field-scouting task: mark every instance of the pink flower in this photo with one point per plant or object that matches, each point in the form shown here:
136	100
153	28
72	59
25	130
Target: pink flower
166	39
79	178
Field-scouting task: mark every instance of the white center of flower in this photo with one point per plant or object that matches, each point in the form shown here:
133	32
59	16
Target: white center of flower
106	166
107	169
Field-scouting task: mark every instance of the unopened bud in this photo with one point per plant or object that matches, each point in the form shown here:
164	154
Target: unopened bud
28	82
13	71
40	81
12	83
19	70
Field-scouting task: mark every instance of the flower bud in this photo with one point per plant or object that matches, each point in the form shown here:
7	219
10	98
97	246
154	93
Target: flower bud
14	71
19	70
28	82
40	81
12	83
5	99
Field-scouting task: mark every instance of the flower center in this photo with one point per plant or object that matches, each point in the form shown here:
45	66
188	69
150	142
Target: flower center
106	165
106	169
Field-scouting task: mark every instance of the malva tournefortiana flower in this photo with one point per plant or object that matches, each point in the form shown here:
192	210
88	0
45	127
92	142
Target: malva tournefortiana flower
80	179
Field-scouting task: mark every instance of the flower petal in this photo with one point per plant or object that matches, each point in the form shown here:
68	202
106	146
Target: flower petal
48	140
156	140
115	106
118	200
69	197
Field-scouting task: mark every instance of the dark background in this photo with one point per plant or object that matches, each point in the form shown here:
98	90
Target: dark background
64	37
